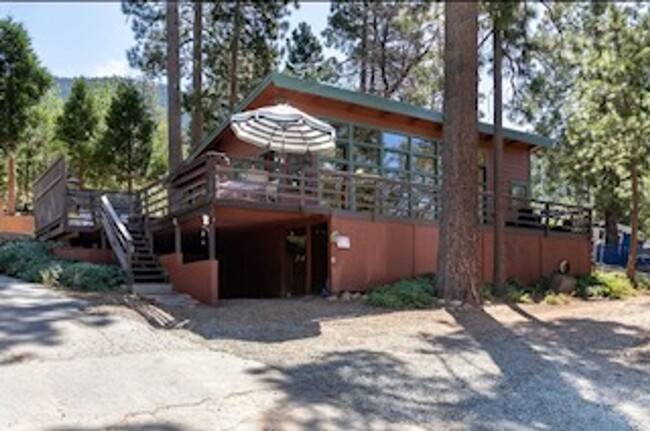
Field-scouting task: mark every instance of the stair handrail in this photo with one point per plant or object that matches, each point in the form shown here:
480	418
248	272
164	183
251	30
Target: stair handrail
118	237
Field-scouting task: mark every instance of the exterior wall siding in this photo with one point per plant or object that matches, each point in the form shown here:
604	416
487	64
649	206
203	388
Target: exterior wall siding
383	251
17	224
198	279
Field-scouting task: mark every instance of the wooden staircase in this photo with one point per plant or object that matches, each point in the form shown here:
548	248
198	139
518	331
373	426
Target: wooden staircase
144	264
132	244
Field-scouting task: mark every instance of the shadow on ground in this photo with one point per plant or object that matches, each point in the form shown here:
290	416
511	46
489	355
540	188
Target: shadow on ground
270	320
29	317
486	375
153	426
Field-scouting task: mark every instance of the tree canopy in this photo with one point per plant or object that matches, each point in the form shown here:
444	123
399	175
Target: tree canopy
126	145
77	127
23	81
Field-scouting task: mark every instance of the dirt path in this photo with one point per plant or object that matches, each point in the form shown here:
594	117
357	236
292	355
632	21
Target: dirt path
582	366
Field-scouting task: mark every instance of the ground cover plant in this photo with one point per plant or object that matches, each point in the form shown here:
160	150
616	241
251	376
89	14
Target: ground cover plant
415	293
33	261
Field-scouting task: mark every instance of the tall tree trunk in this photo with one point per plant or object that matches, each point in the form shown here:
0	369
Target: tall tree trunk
234	52
363	70
499	276
173	87
11	183
611	226
458	262
634	224
197	75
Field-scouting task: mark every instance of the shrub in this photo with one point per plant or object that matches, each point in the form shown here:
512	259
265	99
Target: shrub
601	284
404	294
557	299
487	292
642	281
33	261
88	276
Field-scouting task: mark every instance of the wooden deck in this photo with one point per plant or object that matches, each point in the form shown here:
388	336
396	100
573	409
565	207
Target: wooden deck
216	180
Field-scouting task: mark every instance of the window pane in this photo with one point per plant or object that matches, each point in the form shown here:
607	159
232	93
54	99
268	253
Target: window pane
424	147
393	160
425	164
366	136
367	155
393	141
342	129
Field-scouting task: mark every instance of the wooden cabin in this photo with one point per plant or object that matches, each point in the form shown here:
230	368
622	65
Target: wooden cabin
236	220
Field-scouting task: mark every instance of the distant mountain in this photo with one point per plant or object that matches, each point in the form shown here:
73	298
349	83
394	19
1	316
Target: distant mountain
64	86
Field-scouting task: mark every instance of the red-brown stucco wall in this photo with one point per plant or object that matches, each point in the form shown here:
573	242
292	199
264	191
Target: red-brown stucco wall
383	251
17	224
91	255
199	279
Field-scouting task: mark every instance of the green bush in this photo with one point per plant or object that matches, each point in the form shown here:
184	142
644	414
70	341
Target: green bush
487	292
601	284
556	299
33	261
642	281
404	294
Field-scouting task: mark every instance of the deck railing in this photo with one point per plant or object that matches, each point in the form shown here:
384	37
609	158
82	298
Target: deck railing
118	236
60	209
216	178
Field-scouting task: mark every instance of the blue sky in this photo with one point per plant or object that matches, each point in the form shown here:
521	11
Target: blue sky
91	39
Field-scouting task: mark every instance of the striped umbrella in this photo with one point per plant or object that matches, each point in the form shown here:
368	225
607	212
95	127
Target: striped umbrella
283	128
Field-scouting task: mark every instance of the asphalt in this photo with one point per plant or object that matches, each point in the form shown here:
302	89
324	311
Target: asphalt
64	365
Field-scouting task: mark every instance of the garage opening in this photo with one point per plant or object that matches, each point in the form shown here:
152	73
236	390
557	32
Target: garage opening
272	261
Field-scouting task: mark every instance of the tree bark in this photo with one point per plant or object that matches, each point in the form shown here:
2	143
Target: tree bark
11	183
634	224
499	276
234	51
363	72
611	226
458	263
197	75
173	87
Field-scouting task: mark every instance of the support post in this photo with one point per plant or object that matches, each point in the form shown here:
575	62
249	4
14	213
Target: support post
177	237
212	240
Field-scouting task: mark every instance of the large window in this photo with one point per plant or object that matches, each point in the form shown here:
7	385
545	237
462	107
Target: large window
372	153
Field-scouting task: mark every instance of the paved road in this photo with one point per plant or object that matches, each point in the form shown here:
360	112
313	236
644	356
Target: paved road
66	366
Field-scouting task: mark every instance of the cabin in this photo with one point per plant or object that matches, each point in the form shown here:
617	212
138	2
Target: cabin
240	220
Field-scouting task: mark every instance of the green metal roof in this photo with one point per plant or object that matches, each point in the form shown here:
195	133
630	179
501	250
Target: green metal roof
367	100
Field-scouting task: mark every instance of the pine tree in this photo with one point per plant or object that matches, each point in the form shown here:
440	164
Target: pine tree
458	271
126	145
23	81
305	57
596	103
77	127
391	48
174	111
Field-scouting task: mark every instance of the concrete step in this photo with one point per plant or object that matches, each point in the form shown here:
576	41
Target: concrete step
152	288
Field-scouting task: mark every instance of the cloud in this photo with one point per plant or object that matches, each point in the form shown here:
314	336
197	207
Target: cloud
112	67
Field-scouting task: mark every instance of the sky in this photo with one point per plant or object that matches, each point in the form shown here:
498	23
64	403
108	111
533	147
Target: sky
91	39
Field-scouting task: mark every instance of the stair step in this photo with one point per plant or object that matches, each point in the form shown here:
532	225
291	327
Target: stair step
151	263
147	271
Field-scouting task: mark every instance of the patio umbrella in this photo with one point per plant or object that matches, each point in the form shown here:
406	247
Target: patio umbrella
283	128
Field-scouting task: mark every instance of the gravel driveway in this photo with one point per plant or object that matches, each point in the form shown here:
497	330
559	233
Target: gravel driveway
346	366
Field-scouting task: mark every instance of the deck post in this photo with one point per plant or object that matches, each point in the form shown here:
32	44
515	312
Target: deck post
177	237
212	178
212	240
547	211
